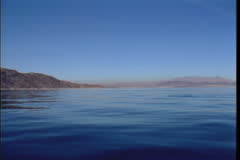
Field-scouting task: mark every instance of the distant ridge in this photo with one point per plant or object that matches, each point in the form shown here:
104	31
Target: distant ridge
188	81
12	79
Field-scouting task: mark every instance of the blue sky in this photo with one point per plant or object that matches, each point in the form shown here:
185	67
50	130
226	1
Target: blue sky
120	40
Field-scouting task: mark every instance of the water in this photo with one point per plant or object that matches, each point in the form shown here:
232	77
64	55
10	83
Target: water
120	124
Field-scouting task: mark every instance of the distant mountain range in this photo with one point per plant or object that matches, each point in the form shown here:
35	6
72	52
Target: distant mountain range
196	81
12	79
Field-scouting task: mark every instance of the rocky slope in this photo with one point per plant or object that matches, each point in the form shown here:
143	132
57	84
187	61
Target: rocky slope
14	80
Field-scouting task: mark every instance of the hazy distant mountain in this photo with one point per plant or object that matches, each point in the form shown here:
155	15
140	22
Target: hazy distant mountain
179	82
14	79
197	82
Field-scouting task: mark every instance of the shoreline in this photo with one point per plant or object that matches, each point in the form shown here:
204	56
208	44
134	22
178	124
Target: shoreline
37	89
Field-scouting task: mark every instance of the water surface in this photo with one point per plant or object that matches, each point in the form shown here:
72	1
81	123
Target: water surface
119	124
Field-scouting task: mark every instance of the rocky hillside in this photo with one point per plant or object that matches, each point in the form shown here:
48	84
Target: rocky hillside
14	79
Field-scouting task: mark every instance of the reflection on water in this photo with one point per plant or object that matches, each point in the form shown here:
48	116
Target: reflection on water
20	107
8	98
124	124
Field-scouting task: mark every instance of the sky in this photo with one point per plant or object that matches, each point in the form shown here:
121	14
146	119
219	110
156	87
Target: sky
120	40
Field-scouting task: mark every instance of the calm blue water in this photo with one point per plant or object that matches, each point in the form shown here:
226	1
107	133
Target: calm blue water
120	124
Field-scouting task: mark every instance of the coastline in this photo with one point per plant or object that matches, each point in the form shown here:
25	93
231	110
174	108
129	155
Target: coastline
37	89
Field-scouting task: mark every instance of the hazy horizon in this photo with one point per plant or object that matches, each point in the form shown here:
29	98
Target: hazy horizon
142	80
109	41
109	81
